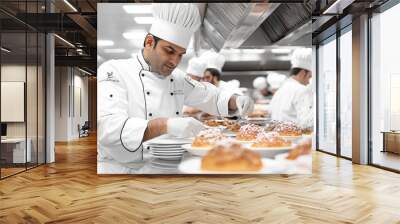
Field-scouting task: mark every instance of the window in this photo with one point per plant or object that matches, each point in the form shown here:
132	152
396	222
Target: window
327	96
346	93
385	89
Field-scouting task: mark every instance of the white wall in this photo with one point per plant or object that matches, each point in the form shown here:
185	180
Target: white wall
70	83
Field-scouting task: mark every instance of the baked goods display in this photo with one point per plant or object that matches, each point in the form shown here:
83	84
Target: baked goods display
213	123
270	126
307	131
258	114
230	125
288	129
248	132
269	140
208	138
231	157
303	148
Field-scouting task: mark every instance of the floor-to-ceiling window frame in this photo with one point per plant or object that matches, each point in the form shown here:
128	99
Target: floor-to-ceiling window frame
23	60
384	87
332	121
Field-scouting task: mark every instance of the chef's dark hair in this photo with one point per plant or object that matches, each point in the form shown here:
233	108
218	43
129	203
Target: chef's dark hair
295	71
156	39
214	72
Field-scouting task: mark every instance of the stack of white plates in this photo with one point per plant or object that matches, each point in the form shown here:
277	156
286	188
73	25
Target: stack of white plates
166	147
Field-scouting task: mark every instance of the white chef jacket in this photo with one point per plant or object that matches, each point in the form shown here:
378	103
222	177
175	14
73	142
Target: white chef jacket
293	102
228	87
129	95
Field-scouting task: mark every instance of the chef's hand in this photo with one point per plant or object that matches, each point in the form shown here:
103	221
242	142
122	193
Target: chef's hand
244	105
184	127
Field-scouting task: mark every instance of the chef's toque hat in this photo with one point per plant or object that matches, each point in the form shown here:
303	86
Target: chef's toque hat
301	58
260	83
196	67
214	60
175	23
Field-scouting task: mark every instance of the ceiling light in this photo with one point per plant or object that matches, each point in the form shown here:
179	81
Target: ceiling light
143	19
70	5
137	9
114	50
5	50
253	51
65	41
135	34
84	71
338	6
105	43
281	51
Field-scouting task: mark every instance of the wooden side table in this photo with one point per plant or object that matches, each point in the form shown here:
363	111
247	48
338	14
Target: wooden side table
391	141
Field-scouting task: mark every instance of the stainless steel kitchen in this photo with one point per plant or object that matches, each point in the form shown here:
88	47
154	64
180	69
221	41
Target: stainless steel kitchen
281	111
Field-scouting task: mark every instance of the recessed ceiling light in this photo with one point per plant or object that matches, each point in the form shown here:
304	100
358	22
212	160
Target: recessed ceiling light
114	50
137	9
135	34
143	19
281	51
64	40
71	6
253	51
105	43
5	50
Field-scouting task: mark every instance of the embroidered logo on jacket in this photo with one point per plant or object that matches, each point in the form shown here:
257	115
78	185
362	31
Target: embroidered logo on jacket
111	77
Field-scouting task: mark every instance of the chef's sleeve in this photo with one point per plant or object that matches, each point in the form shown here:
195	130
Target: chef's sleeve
206	97
120	134
303	103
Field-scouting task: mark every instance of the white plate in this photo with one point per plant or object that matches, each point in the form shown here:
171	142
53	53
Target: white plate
243	142
218	127
270	152
166	153
168	157
291	138
193	166
197	151
163	146
166	149
258	118
168	140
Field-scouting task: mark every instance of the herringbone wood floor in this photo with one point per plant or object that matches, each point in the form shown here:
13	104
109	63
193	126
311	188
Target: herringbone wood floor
70	191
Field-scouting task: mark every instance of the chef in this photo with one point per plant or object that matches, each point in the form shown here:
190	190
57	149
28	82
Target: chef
262	93
293	101
212	74
142	97
196	68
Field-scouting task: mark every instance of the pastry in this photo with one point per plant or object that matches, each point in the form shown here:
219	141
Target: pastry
258	114
248	132
213	123
233	126
288	129
303	148
271	125
270	139
307	131
232	157
208	138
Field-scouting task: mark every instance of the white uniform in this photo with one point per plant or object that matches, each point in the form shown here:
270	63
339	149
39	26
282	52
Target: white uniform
293	102
129	95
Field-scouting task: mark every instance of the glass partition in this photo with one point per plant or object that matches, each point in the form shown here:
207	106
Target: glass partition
327	96
346	93
385	89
